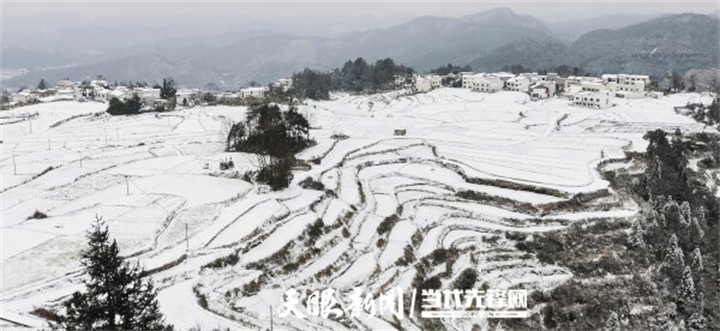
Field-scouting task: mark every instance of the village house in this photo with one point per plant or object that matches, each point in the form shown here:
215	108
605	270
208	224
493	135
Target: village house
542	90
436	81
65	85
487	83
120	93
186	97
468	79
148	96
598	100
423	84
627	86
518	84
21	97
578	80
594	86
255	92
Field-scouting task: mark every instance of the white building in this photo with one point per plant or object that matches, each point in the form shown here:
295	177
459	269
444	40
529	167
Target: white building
628	86
598	100
65	85
255	92
185	96
147	95
101	93
542	90
21	97
121	94
423	84
504	76
468	79
518	84
487	83
578	80
594	86
435	80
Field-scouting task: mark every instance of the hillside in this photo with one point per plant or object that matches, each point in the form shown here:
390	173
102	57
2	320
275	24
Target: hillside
657	47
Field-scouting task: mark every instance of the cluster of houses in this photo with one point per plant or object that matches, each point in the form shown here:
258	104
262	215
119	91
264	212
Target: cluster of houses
101	90
590	92
582	91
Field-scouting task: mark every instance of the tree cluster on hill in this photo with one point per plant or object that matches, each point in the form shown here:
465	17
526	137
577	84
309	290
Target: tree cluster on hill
450	69
312	84
359	76
130	107
354	76
116	296
275	136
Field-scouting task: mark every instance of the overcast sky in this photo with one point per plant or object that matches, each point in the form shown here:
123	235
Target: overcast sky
224	11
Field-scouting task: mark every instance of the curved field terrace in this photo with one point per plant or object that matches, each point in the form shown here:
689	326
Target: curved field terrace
473	171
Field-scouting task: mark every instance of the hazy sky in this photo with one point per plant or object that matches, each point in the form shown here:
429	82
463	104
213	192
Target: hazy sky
221	13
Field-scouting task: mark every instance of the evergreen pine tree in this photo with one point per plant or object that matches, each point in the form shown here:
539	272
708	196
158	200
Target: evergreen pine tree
636	237
674	263
116	296
687	294
42	85
169	88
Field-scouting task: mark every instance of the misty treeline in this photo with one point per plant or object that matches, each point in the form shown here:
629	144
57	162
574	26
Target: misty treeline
354	76
275	136
665	260
117	296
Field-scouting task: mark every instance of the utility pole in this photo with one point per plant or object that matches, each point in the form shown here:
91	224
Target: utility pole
187	241
127	186
271	318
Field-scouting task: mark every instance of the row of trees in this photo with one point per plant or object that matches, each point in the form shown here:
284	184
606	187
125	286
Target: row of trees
275	136
354	76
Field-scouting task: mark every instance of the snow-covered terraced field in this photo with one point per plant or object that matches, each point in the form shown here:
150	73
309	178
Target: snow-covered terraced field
470	171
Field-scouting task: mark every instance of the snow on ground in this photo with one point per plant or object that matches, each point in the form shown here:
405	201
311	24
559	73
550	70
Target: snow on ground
155	179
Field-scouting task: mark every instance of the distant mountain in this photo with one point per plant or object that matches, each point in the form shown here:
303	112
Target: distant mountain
657	47
487	41
569	31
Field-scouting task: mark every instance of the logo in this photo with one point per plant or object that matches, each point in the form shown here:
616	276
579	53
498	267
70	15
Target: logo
451	303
